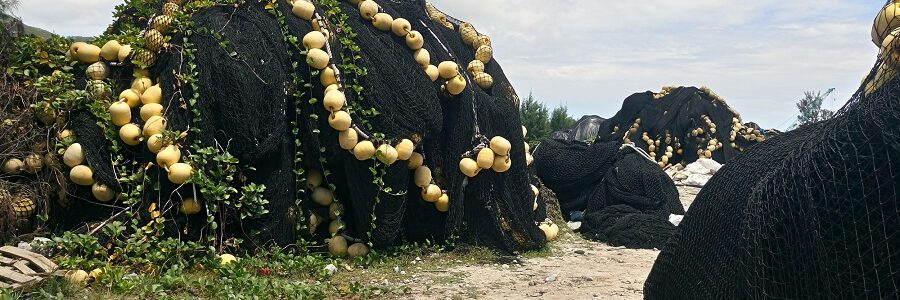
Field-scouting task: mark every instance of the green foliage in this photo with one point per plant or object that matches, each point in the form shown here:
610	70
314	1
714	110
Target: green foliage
7	5
272	274
33	56
216	181
560	119
535	117
810	107
540	122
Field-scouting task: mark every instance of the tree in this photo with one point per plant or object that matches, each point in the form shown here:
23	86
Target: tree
810	107
560	119
535	117
6	6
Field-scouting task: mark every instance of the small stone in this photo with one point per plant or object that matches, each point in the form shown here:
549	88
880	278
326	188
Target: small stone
581	252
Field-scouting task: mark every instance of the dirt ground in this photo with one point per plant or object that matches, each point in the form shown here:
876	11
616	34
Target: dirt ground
575	269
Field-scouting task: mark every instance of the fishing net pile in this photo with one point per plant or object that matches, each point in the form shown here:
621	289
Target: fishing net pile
29	172
587	165
280	122
809	214
678	125
620	195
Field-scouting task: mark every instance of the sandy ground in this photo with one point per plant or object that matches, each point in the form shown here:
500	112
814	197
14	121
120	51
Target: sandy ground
576	269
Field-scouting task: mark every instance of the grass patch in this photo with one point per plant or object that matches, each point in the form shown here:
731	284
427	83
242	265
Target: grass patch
272	275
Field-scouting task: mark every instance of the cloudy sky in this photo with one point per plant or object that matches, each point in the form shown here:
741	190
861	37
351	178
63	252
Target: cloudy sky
760	55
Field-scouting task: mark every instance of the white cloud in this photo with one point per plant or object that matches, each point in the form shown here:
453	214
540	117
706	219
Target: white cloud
590	55
68	17
761	55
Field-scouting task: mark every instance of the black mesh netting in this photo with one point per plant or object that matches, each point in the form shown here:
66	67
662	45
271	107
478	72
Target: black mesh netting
810	214
246	103
686	119
678	125
626	198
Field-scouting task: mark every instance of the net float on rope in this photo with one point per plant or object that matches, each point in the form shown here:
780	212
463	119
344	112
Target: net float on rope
110	50
189	206
485	158
74	155
82	175
405	149
155	143
340	120
130	134
456	85
322	196
414	40
151	110
303	9
120	113
334	100
364	150
348	139
358	250
431	193
382	21
179	173
154	125
500	145
337	245
401	27
422	177
167	156
443	203
416	160
469	167
317	58
102	192
387	154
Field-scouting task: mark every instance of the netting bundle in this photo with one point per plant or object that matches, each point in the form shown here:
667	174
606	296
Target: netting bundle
810	214
626	199
678	125
29	170
337	109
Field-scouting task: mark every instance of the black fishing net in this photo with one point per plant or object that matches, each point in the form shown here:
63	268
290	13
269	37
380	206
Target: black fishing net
810	214
632	205
247	106
573	169
686	122
626	199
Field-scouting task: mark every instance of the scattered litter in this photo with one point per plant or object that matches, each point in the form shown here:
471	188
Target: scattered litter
24	246
695	174
331	269
551	278
574	225
396	269
675	219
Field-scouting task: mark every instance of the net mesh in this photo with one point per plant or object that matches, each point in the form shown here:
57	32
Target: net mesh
247	106
625	196
810	214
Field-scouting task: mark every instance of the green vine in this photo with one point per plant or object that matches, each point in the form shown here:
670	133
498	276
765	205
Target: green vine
298	94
